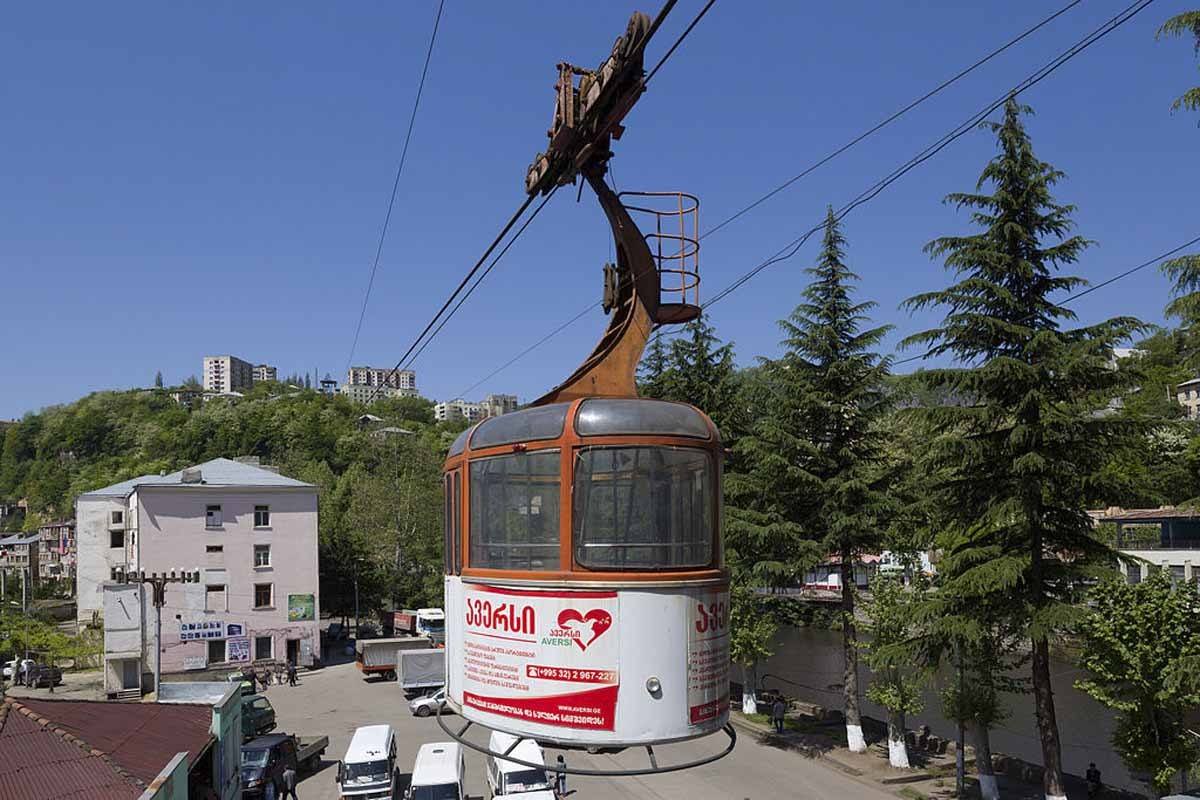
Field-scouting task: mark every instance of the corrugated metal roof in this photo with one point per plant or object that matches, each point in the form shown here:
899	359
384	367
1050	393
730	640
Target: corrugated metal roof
140	737
1147	514
20	538
218	472
38	763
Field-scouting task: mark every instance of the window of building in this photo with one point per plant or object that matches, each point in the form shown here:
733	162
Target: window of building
643	507
262	595
214	597
212	517
116	538
214	548
263	648
1177	573
216	651
262	555
1133	572
262	516
118	517
514	511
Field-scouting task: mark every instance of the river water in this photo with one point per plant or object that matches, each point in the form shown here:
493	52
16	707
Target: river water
811	659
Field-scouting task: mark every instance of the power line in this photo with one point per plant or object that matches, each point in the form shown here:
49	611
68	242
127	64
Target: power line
895	116
789	250
395	183
1092	288
521	210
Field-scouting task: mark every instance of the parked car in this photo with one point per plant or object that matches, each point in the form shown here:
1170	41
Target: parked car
264	759
429	704
258	715
508	780
438	773
245	679
41	676
336	632
13	668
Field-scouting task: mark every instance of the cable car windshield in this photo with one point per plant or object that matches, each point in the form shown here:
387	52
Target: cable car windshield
514	511
643	508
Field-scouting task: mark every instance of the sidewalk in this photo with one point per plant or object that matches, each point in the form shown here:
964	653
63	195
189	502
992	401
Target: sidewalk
931	777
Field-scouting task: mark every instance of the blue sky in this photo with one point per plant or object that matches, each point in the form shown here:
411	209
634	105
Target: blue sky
183	179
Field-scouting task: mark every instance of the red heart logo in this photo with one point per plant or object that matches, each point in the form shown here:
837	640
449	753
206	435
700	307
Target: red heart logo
589	625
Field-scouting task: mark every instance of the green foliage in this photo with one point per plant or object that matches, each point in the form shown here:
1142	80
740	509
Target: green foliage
1184	25
21	633
751	627
1139	643
897	679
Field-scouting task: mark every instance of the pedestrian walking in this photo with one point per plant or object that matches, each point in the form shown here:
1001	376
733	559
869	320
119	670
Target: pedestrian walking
289	784
1092	776
778	711
560	778
291	673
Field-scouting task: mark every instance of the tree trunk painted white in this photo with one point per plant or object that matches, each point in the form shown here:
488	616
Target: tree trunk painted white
749	699
988	789
855	739
897	751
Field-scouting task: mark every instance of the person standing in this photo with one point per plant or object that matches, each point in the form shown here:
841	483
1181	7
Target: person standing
778	712
560	777
289	784
1092	776
291	673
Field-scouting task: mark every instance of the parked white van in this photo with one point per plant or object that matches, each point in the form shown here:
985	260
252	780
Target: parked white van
508	779
438	773
368	770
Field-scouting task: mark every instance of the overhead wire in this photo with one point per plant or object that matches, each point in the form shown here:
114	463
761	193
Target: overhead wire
893	117
657	22
412	118
790	249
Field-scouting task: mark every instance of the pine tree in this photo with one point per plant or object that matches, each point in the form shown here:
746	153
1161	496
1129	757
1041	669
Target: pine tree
652	371
158	380
307	381
1185	24
1023	445
830	355
700	371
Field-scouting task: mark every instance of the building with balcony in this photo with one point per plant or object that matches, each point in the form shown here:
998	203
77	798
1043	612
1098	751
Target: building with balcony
402	380
491	406
21	552
57	550
1187	394
224	374
1166	538
365	395
249	532
264	372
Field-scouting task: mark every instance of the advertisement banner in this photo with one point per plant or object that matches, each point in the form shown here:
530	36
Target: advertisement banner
238	649
708	657
301	608
543	656
206	629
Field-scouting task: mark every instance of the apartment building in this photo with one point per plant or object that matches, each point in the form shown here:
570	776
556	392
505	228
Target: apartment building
225	374
1166	538
264	372
403	380
250	532
363	394
20	552
57	550
491	406
1187	394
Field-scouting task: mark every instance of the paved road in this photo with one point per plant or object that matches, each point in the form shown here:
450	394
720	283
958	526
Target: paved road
336	700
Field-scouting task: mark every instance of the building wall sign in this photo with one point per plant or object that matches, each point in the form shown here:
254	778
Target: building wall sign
301	608
238	649
210	629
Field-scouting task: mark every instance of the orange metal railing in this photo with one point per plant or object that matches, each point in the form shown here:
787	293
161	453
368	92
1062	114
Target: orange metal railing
674	243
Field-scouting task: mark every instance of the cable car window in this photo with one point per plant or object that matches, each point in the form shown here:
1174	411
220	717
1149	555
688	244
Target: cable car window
460	442
643	508
543	422
448	526
514	511
456	545
602	416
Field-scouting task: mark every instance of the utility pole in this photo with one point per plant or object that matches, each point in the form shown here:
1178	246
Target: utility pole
158	584
960	756
24	601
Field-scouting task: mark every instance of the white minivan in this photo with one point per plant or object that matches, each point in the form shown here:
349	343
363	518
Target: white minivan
368	771
438	773
508	779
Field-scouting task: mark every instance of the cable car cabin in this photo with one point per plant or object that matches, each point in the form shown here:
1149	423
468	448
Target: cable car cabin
586	598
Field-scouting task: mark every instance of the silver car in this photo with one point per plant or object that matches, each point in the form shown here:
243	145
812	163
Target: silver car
429	704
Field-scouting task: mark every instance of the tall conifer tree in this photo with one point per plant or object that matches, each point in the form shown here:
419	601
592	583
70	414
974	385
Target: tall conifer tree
1026	440
830	352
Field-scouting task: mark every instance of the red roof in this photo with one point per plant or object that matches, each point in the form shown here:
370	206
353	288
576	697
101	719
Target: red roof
131	740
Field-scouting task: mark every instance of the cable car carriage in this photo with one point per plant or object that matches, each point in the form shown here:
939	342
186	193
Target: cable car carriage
587	601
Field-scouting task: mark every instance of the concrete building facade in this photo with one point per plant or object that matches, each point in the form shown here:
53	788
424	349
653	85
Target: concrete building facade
364	395
250	532
1166	538
1187	394
491	406
404	380
264	372
57	550
227	374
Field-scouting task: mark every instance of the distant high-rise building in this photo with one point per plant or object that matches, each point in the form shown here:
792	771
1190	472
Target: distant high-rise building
227	374
404	380
360	393
497	404
265	372
491	406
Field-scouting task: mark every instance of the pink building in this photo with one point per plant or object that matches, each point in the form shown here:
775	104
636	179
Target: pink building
250	532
